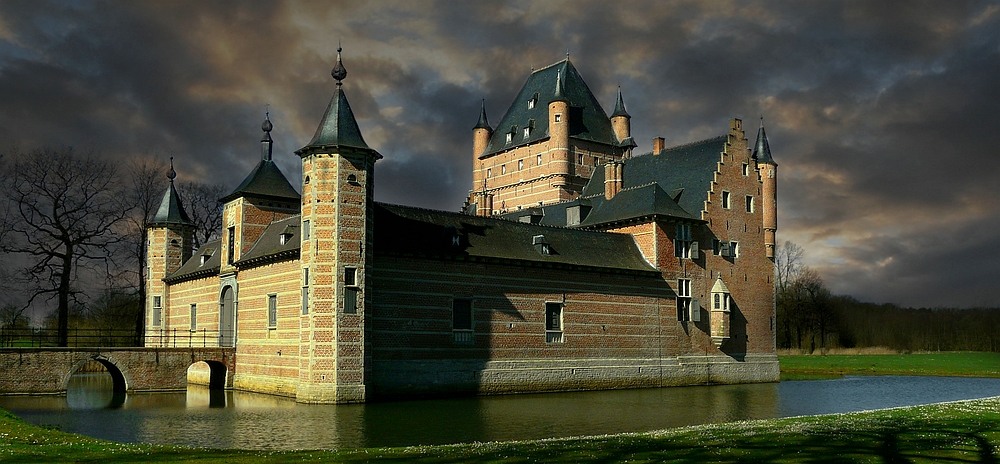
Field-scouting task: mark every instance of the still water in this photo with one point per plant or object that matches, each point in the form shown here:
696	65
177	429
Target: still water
217	419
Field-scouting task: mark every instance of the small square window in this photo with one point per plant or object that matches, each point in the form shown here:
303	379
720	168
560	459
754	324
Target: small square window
725	200
350	276
558	117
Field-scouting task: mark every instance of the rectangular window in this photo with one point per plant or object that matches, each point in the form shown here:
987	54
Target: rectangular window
725	200
231	232
520	163
157	309
749	203
510	136
685	304
682	242
503	169
350	300
489	172
527	132
305	291
538	159
746	169
716	247
558	117
272	311
734	249
305	230
461	314
194	317
554	323
350	276
579	158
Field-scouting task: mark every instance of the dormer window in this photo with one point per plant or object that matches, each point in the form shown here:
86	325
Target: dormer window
541	245
527	132
533	101
510	136
204	256
529	128
286	235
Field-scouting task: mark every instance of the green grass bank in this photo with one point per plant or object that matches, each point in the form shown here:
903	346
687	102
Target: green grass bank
959	364
967	431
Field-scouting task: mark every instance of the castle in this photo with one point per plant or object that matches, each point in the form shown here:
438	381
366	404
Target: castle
575	264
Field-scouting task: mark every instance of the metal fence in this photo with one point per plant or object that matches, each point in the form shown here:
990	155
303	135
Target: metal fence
166	338
39	337
181	338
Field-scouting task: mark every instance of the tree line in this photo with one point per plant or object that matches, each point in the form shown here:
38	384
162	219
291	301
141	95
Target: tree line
74	240
810	318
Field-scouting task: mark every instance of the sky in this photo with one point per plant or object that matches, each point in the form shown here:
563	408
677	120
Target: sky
883	117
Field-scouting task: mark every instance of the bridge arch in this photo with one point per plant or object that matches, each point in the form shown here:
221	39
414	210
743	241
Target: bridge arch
119	377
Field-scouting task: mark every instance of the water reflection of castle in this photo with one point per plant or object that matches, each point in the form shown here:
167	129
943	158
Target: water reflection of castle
575	265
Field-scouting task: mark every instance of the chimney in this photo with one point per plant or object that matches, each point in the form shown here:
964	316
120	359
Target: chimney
612	179
658	145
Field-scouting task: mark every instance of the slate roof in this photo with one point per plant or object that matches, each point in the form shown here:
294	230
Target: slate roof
265	181
636	202
269	244
762	150
421	232
588	121
171	211
338	128
690	168
193	268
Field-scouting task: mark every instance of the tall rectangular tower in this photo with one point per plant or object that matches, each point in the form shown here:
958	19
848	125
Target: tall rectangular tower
337	203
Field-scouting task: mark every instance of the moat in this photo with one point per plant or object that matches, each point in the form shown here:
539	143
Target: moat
219	419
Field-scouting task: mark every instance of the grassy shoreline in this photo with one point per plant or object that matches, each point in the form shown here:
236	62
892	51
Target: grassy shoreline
963	431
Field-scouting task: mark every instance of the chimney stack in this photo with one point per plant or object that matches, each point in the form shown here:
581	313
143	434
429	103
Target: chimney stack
612	179
658	145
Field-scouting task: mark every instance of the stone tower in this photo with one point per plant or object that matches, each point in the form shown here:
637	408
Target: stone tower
481	134
169	237
621	122
769	191
337	208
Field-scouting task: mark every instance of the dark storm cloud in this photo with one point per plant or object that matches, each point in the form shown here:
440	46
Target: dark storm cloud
881	115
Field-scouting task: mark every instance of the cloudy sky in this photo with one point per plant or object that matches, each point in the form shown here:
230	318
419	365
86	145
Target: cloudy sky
884	117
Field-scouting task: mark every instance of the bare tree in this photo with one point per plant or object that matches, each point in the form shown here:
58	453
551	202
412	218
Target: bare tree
145	192
65	211
201	201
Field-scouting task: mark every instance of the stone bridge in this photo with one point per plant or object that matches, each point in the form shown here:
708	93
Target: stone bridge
47	370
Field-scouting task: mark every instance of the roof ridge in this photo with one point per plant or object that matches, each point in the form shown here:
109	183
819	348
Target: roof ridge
493	218
551	65
710	139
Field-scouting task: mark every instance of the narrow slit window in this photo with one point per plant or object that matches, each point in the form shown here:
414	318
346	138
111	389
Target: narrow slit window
272	311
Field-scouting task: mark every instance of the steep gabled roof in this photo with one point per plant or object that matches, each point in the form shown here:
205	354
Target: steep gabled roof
338	128
588	121
635	202
265	181
421	232
690	168
194	268
270	245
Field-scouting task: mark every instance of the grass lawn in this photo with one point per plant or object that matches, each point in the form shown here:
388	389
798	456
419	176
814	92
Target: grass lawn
967	431
963	364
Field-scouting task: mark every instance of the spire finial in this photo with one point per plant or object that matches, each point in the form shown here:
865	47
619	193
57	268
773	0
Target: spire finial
762	120
171	174
266	126
567	53
266	142
339	72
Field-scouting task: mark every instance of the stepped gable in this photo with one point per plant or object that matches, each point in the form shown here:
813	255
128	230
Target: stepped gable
270	246
588	121
421	232
194	268
688	168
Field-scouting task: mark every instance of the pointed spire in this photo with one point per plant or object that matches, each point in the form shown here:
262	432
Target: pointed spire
266	143
170	210
762	150
338	128
560	94
620	106
483	122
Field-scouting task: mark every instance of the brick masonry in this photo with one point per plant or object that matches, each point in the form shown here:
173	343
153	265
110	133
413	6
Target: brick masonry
47	370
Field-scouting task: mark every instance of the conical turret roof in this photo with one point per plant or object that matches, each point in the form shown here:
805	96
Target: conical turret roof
620	106
338	128
171	211
761	150
483	122
266	180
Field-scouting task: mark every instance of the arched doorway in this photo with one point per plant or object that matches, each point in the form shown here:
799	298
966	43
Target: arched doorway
227	318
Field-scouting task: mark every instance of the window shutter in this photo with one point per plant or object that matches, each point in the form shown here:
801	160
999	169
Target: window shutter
725	249
695	310
694	250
